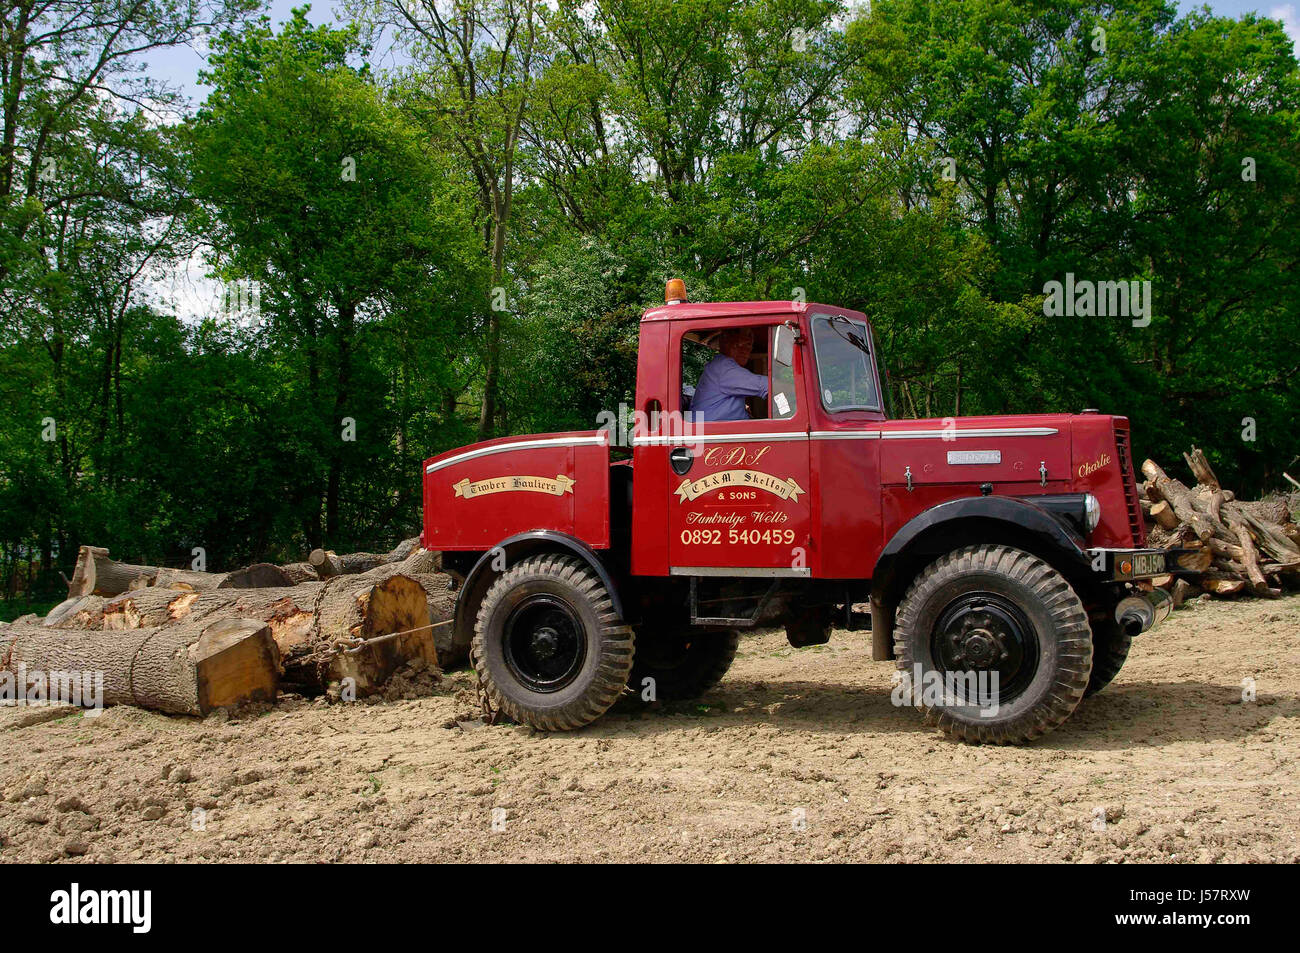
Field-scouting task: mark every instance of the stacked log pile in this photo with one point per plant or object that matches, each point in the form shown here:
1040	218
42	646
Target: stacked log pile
186	641
1234	547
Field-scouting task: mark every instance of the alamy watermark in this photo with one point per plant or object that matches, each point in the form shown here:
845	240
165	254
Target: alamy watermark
22	687
627	426
1084	298
935	689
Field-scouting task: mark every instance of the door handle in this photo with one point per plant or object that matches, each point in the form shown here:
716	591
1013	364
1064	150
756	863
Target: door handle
681	458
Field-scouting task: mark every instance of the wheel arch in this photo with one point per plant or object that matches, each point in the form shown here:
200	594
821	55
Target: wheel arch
514	548
1011	521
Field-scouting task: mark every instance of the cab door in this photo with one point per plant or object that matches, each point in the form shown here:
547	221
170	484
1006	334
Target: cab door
738	491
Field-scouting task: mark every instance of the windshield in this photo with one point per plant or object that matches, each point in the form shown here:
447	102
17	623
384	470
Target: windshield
844	366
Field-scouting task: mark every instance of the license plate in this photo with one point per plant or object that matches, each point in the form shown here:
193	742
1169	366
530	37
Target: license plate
1144	564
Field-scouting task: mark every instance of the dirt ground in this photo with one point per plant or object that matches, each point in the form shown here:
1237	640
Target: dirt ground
798	755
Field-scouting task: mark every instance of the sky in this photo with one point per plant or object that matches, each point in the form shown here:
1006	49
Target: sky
180	65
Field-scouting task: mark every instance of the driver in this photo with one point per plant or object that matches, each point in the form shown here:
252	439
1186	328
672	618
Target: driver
723	386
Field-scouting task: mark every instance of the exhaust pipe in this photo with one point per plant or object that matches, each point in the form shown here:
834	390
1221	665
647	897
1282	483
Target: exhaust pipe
1143	611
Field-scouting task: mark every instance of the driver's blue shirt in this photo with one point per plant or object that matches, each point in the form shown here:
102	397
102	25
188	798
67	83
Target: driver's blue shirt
721	391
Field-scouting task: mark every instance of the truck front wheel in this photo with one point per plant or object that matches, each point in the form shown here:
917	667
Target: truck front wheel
993	645
549	649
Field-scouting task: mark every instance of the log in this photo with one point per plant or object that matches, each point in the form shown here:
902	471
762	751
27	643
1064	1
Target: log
1275	511
300	572
328	563
1269	536
325	563
1222	585
1201	469
1164	515
257	576
1214	508
188	579
1230	551
1198	560
1249	557
188	669
1274	568
425	566
311	624
97	574
1182	591
1180	498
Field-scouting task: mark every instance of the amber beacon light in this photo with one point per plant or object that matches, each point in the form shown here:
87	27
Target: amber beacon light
675	292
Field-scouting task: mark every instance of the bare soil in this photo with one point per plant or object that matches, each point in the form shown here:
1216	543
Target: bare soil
799	755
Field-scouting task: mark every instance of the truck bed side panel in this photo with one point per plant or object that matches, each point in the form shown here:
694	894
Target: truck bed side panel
476	496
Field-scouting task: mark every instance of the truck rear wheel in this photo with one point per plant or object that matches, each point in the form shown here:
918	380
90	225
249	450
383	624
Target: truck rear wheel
1110	645
683	663
549	649
993	644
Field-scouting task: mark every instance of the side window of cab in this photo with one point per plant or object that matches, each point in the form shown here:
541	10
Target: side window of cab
785	397
738	373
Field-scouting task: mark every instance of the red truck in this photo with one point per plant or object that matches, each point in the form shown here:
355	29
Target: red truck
1003	558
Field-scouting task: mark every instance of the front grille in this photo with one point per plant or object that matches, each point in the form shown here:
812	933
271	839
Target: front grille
1136	526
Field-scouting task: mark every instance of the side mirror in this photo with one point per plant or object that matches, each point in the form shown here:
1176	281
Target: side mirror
783	345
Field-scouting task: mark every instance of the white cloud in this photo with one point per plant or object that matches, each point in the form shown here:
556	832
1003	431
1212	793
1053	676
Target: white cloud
1290	20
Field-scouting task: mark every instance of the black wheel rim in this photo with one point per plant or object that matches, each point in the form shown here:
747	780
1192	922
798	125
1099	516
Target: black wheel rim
983	632
544	643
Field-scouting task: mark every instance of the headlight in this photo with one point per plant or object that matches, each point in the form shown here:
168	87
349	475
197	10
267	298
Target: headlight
1091	512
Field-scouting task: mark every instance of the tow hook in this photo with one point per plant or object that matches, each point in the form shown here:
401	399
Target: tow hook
1143	611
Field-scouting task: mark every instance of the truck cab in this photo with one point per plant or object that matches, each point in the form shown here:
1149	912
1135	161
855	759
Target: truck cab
758	481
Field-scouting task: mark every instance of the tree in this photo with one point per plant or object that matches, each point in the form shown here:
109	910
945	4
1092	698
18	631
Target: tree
317	188
476	65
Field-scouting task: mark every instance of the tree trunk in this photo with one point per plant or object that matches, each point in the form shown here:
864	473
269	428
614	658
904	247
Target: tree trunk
326	563
1249	557
1200	468
1164	515
256	576
97	574
187	669
312	624
1222	584
1181	592
1179	497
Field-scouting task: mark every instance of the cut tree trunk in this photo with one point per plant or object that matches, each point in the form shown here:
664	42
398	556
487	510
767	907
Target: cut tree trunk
188	579
1250	557
300	572
425	567
1179	497
328	563
257	576
1200	468
1181	592
1222	584
187	669
97	574
1164	515
311	623
1198	560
